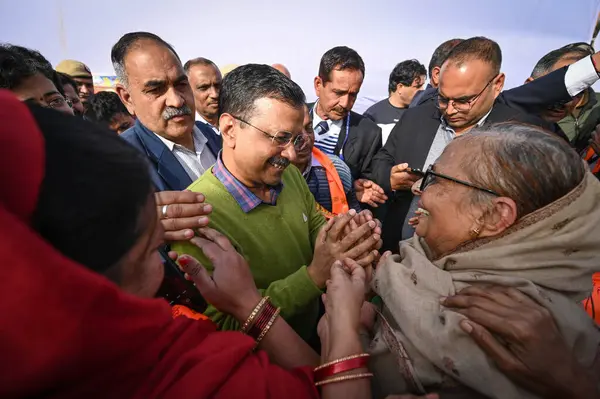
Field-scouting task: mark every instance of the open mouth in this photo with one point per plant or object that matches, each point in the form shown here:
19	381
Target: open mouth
280	163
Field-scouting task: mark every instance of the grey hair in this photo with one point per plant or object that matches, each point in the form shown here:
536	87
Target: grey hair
125	44
523	162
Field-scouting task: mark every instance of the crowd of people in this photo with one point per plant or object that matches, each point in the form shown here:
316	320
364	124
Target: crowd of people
199	234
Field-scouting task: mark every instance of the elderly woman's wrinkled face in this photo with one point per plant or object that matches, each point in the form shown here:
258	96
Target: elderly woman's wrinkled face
450	217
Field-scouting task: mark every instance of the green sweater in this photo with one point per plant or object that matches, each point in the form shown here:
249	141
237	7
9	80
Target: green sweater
277	241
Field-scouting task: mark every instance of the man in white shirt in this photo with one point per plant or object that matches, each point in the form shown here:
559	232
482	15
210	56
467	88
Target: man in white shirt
155	88
205	80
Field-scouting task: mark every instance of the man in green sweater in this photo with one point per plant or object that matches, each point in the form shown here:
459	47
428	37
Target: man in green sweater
264	207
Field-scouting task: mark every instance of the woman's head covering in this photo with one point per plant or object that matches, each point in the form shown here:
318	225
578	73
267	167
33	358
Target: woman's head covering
67	332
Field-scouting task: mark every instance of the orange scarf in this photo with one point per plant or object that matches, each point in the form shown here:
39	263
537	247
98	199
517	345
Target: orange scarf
589	154
339	203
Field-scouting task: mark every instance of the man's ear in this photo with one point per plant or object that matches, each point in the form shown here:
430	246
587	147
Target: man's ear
227	129
499	84
435	76
502	215
125	98
318	86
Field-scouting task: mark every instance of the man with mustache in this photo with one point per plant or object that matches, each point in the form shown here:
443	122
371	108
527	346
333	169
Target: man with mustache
155	89
263	205
339	131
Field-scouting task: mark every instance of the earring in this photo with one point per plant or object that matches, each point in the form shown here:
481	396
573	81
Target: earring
475	232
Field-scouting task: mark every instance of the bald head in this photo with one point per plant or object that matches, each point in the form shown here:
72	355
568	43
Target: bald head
281	68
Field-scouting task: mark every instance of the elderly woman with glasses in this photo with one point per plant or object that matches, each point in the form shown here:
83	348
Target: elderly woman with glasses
509	205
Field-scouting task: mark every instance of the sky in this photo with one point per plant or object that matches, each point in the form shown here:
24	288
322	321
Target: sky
297	33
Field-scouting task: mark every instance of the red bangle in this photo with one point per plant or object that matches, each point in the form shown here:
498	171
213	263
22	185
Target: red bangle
262	320
341	367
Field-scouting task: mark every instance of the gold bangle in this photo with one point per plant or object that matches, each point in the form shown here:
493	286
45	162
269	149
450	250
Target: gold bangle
250	319
341	360
344	378
267	328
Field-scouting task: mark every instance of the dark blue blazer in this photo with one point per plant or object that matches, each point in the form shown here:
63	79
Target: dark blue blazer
215	141
166	171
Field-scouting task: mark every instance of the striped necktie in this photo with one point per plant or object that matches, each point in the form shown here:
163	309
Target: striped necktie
322	128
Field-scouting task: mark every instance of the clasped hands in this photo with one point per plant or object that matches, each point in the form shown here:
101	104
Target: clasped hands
351	235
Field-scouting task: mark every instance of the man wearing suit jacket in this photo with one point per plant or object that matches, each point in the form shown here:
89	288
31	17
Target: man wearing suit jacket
470	83
155	88
338	130
557	87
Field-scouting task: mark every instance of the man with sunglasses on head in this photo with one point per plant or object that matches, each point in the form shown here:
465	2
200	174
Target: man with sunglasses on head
262	204
470	82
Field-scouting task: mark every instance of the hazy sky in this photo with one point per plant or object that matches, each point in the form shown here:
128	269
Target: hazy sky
297	33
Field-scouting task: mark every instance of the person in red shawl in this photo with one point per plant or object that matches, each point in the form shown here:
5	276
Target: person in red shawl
78	239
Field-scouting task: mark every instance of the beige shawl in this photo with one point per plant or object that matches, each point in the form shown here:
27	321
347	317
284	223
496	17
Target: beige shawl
550	255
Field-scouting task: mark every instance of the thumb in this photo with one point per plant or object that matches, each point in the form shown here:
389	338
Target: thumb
196	272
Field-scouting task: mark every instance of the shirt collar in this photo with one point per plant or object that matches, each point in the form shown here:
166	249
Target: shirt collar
446	127
317	119
245	198
197	136
200	118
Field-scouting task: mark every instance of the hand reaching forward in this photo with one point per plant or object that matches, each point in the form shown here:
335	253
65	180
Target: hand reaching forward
231	288
369	193
533	352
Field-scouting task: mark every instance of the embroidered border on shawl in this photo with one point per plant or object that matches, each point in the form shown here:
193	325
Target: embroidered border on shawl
404	363
528	220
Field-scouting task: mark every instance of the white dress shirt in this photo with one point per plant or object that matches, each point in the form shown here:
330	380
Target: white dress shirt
200	118
330	138
195	162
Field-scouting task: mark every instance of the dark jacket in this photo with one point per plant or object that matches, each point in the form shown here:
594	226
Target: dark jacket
410	142
166	171
531	98
363	143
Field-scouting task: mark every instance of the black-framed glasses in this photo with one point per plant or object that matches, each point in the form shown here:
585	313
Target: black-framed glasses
281	139
461	105
431	175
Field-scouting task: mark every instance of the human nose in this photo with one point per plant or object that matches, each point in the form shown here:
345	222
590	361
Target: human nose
289	152
174	98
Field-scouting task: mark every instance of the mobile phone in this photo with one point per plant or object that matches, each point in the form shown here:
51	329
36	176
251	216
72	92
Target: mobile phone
417	172
176	289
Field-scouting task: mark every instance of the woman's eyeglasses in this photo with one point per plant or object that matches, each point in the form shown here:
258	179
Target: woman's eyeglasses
281	139
431	175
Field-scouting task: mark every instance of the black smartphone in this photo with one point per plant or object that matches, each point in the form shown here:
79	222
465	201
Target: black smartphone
176	289
417	172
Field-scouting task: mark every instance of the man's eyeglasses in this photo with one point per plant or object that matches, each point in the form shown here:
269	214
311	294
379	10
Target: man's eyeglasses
430	177
461	105
281	139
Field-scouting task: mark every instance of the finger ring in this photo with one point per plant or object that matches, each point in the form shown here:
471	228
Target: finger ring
164	211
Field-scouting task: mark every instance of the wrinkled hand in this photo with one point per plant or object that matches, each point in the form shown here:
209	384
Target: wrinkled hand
400	179
365	216
331	245
368	313
534	354
369	193
231	289
186	211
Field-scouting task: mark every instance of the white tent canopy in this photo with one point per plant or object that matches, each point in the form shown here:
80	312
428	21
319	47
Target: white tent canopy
298	33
